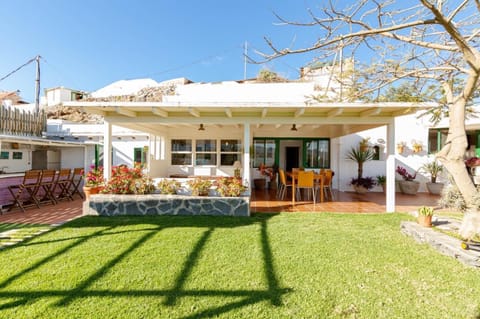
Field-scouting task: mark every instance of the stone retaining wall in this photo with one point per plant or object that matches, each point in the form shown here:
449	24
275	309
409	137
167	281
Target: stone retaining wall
156	204
445	244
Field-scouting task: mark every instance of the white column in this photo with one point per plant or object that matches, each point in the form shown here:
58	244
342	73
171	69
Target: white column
246	154
107	150
390	169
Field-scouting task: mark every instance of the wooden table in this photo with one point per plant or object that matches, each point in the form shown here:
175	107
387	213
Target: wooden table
316	176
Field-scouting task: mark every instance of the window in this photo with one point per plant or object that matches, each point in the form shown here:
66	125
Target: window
181	152
17	155
264	152
436	140
206	152
140	155
317	153
4	155
230	151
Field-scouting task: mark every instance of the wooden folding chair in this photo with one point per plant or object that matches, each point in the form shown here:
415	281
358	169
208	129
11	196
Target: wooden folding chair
24	194
76	182
62	183
47	183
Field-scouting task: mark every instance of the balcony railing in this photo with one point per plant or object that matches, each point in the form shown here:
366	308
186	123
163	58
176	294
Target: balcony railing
21	123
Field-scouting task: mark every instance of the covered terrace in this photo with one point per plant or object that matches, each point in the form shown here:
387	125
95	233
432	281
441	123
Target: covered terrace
245	112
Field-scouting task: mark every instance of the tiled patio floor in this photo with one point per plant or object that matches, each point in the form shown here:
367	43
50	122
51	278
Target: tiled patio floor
261	201
371	202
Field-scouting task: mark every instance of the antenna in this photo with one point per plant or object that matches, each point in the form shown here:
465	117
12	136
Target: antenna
245	60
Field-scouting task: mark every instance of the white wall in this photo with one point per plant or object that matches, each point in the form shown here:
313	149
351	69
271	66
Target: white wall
73	157
11	165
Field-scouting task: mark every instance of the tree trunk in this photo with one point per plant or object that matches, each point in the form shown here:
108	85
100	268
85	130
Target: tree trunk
452	157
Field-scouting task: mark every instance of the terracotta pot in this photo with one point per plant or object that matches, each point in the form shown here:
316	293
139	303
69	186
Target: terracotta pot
417	149
90	190
409	187
425	221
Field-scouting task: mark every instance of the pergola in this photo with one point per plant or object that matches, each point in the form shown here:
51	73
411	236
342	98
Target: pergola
334	120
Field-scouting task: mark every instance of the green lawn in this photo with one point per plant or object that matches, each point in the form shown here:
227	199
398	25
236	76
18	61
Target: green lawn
266	266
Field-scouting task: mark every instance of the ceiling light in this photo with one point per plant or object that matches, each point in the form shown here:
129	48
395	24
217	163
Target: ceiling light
201	128
294	128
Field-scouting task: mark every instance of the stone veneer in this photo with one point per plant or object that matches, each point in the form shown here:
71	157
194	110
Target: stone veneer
156	204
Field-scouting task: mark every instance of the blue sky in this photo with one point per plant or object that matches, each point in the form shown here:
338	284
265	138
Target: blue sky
91	43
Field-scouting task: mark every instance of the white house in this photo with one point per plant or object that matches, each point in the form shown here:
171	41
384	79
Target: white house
203	128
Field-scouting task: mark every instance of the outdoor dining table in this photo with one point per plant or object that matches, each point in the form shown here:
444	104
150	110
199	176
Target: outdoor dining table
316	176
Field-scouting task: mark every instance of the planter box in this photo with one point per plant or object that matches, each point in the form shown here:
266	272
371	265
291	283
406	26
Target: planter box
156	204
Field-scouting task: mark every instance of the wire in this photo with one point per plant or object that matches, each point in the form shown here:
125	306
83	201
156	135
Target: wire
201	60
17	69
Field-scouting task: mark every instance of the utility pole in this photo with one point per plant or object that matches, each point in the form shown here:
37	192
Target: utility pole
245	61
37	85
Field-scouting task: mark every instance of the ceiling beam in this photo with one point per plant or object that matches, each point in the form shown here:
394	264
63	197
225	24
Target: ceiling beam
94	111
335	112
299	112
264	112
157	111
193	112
125	112
371	112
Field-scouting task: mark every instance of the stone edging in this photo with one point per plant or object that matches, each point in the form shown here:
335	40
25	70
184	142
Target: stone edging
156	204
445	244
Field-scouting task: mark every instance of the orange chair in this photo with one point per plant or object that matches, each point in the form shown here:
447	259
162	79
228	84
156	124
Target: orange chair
306	182
284	185
327	184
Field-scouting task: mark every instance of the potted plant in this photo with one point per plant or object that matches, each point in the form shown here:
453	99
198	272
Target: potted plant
199	186
417	146
364	144
127	180
425	214
381	180
401	147
168	186
94	181
408	185
360	184
229	187
434	169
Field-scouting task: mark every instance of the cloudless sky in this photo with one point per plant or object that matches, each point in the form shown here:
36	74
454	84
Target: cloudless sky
88	44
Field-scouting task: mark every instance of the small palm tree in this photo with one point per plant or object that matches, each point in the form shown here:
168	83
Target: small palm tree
359	156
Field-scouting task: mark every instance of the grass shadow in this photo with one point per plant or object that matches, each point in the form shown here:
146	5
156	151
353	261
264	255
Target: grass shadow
273	292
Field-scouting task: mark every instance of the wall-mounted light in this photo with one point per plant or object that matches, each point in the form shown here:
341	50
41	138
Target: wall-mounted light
294	128
201	128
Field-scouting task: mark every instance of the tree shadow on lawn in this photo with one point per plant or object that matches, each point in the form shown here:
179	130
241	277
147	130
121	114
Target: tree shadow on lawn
273	292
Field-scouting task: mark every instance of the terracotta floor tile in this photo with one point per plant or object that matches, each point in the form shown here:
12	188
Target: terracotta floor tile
263	201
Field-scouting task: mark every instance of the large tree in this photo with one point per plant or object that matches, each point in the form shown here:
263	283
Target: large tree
432	44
